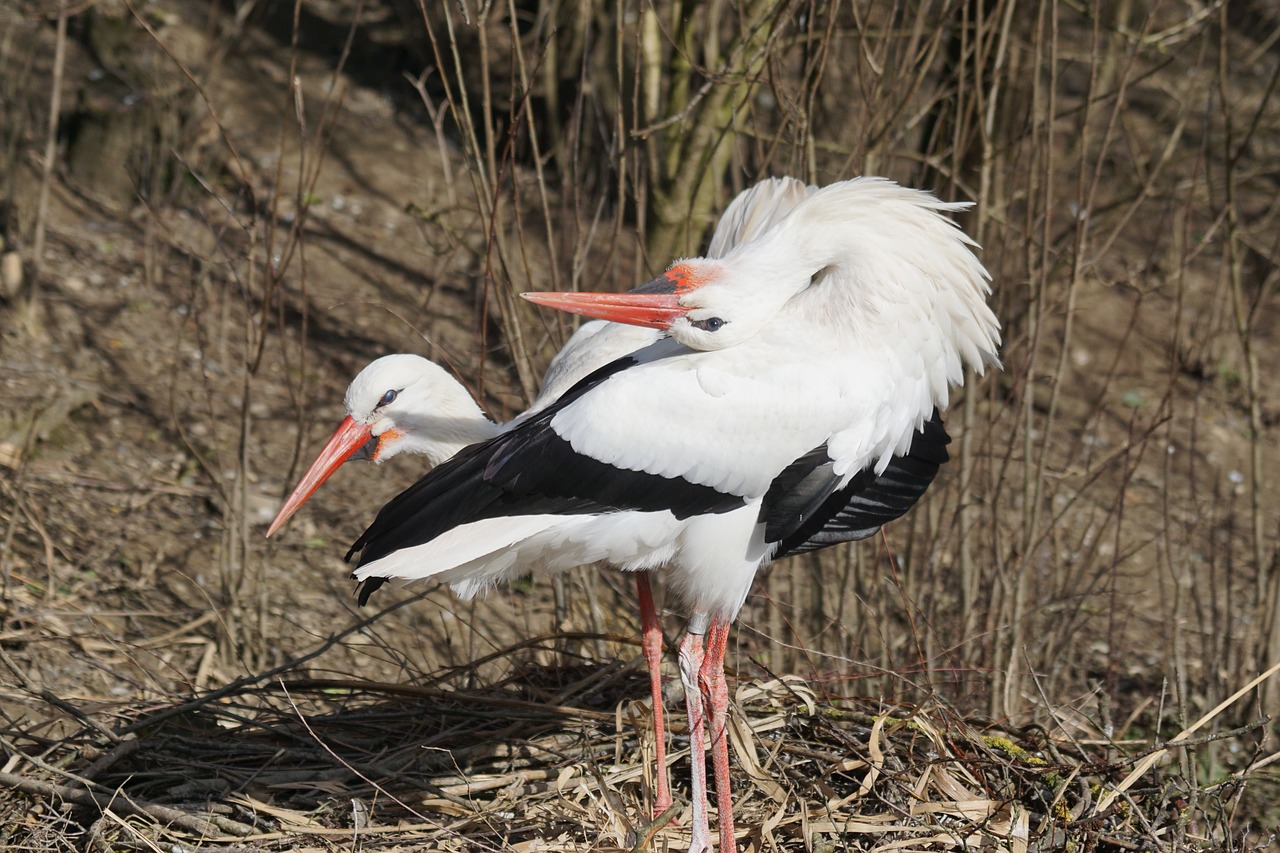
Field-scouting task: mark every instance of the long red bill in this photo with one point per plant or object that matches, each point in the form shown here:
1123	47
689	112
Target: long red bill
654	310
348	438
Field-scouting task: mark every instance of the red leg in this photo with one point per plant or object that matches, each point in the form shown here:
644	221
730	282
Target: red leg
651	642
712	680
691	659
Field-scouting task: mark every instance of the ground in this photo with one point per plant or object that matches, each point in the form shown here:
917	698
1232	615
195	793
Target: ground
233	228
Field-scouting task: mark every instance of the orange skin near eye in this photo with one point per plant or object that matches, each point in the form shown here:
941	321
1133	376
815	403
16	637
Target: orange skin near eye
685	278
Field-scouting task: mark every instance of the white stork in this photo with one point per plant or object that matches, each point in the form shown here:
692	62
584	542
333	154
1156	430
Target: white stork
794	406
404	403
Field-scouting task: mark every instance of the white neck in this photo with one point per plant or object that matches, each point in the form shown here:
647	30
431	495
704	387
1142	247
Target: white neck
441	433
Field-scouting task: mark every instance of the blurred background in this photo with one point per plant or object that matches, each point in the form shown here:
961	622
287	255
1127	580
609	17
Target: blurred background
215	213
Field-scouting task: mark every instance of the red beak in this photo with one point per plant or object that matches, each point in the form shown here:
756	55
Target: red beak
657	311
347	439
655	304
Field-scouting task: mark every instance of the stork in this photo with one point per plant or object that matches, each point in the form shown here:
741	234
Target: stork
404	403
794	405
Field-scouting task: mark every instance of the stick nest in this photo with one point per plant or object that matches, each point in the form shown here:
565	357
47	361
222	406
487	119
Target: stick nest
557	758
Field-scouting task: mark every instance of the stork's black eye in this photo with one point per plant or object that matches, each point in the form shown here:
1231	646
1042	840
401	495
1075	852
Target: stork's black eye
711	324
388	398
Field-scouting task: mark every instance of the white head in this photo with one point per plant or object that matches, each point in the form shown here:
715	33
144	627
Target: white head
398	404
686	300
412	405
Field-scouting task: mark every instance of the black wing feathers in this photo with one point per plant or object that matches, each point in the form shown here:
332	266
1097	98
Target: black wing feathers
857	511
546	464
453	493
797	493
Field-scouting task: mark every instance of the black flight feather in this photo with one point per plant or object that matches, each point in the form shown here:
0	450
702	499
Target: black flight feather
803	511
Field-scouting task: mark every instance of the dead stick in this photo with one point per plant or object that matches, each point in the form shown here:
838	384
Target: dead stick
121	802
645	832
123	749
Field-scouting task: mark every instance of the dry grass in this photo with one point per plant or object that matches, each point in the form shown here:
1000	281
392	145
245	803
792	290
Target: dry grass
556	758
247	205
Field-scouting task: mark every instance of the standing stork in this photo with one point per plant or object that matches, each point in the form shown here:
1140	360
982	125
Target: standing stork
794	405
404	403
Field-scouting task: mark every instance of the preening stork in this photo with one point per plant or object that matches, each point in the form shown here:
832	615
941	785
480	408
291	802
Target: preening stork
793	406
404	403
